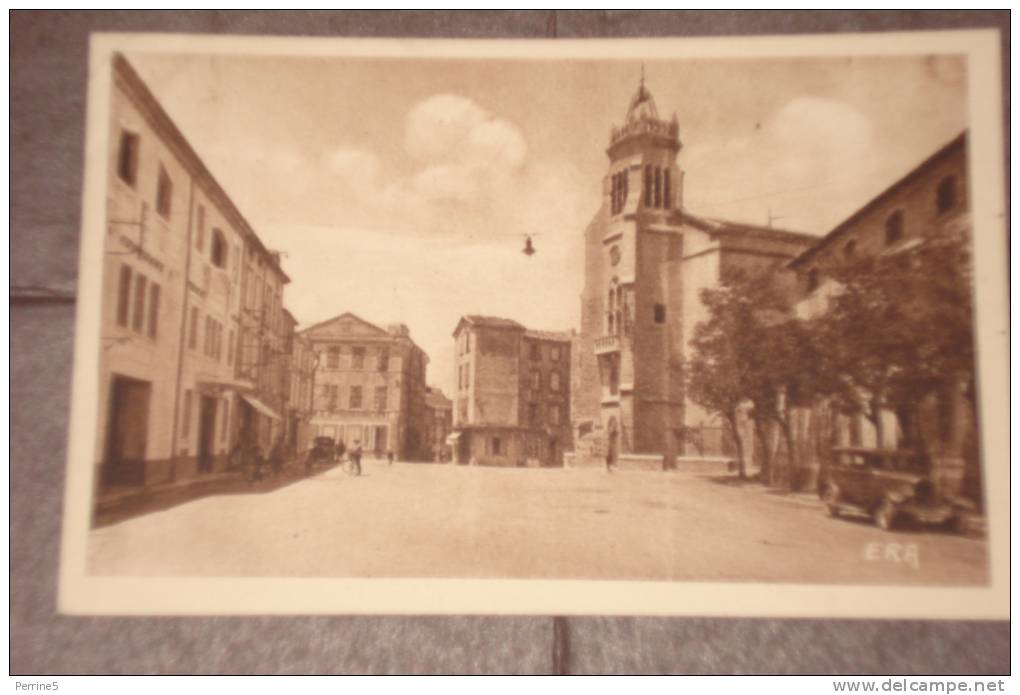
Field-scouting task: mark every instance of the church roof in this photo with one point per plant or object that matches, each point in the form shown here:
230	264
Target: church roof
718	226
558	336
642	106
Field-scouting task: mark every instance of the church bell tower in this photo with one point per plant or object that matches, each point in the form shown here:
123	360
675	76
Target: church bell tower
625	338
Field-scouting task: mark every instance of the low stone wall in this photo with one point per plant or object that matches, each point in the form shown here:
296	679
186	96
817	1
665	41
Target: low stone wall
715	465
624	462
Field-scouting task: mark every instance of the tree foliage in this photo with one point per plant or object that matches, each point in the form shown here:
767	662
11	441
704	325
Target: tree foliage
897	329
900	326
751	352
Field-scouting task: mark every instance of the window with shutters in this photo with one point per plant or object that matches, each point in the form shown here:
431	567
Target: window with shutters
153	310
124	296
200	228
218	249
164	193
127	157
193	329
138	319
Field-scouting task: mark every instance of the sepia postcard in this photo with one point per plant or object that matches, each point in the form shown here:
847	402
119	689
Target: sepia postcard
649	326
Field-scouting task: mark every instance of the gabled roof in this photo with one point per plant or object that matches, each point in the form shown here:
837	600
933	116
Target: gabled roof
959	142
714	225
487	322
558	336
435	398
346	315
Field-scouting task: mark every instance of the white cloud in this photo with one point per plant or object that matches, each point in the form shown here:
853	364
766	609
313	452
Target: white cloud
464	149
439	235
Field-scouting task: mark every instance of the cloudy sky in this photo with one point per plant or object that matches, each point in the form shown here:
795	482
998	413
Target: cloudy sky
401	190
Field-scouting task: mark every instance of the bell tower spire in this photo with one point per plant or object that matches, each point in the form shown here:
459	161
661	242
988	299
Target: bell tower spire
644	149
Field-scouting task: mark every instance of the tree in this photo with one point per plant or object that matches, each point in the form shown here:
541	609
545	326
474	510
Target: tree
748	352
900	328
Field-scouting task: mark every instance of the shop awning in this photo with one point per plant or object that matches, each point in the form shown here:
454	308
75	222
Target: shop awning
260	406
212	386
452	437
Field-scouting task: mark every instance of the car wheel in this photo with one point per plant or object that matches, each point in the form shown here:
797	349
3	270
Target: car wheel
831	500
954	524
885	515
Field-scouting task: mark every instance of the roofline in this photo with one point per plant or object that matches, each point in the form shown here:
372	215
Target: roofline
559	337
160	120
386	333
957	142
700	221
467	319
341	315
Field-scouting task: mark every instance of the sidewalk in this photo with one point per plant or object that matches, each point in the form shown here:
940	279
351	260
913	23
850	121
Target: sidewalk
127	502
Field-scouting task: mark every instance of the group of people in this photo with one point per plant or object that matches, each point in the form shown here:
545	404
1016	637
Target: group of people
247	456
354	455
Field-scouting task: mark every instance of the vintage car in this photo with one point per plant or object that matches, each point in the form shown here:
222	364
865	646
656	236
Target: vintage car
323	450
889	485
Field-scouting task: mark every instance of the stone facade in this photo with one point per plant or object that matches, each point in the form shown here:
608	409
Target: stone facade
512	406
646	261
930	197
300	378
174	276
369	387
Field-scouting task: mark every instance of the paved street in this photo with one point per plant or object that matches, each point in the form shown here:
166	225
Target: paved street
425	520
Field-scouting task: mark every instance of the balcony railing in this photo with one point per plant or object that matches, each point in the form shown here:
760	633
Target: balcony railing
606	344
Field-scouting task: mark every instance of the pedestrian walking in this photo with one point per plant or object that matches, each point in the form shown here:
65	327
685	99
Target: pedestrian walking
389	458
340	450
355	457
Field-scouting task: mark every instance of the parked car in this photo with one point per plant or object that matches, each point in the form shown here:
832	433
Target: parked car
323	450
888	485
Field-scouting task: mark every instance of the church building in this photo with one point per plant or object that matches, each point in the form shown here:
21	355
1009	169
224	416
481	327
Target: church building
646	260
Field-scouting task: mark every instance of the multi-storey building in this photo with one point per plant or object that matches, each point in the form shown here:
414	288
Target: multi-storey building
170	375
512	406
262	357
369	386
646	260
300	378
439	423
931	198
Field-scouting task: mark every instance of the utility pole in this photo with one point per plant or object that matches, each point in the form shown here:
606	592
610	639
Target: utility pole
772	218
